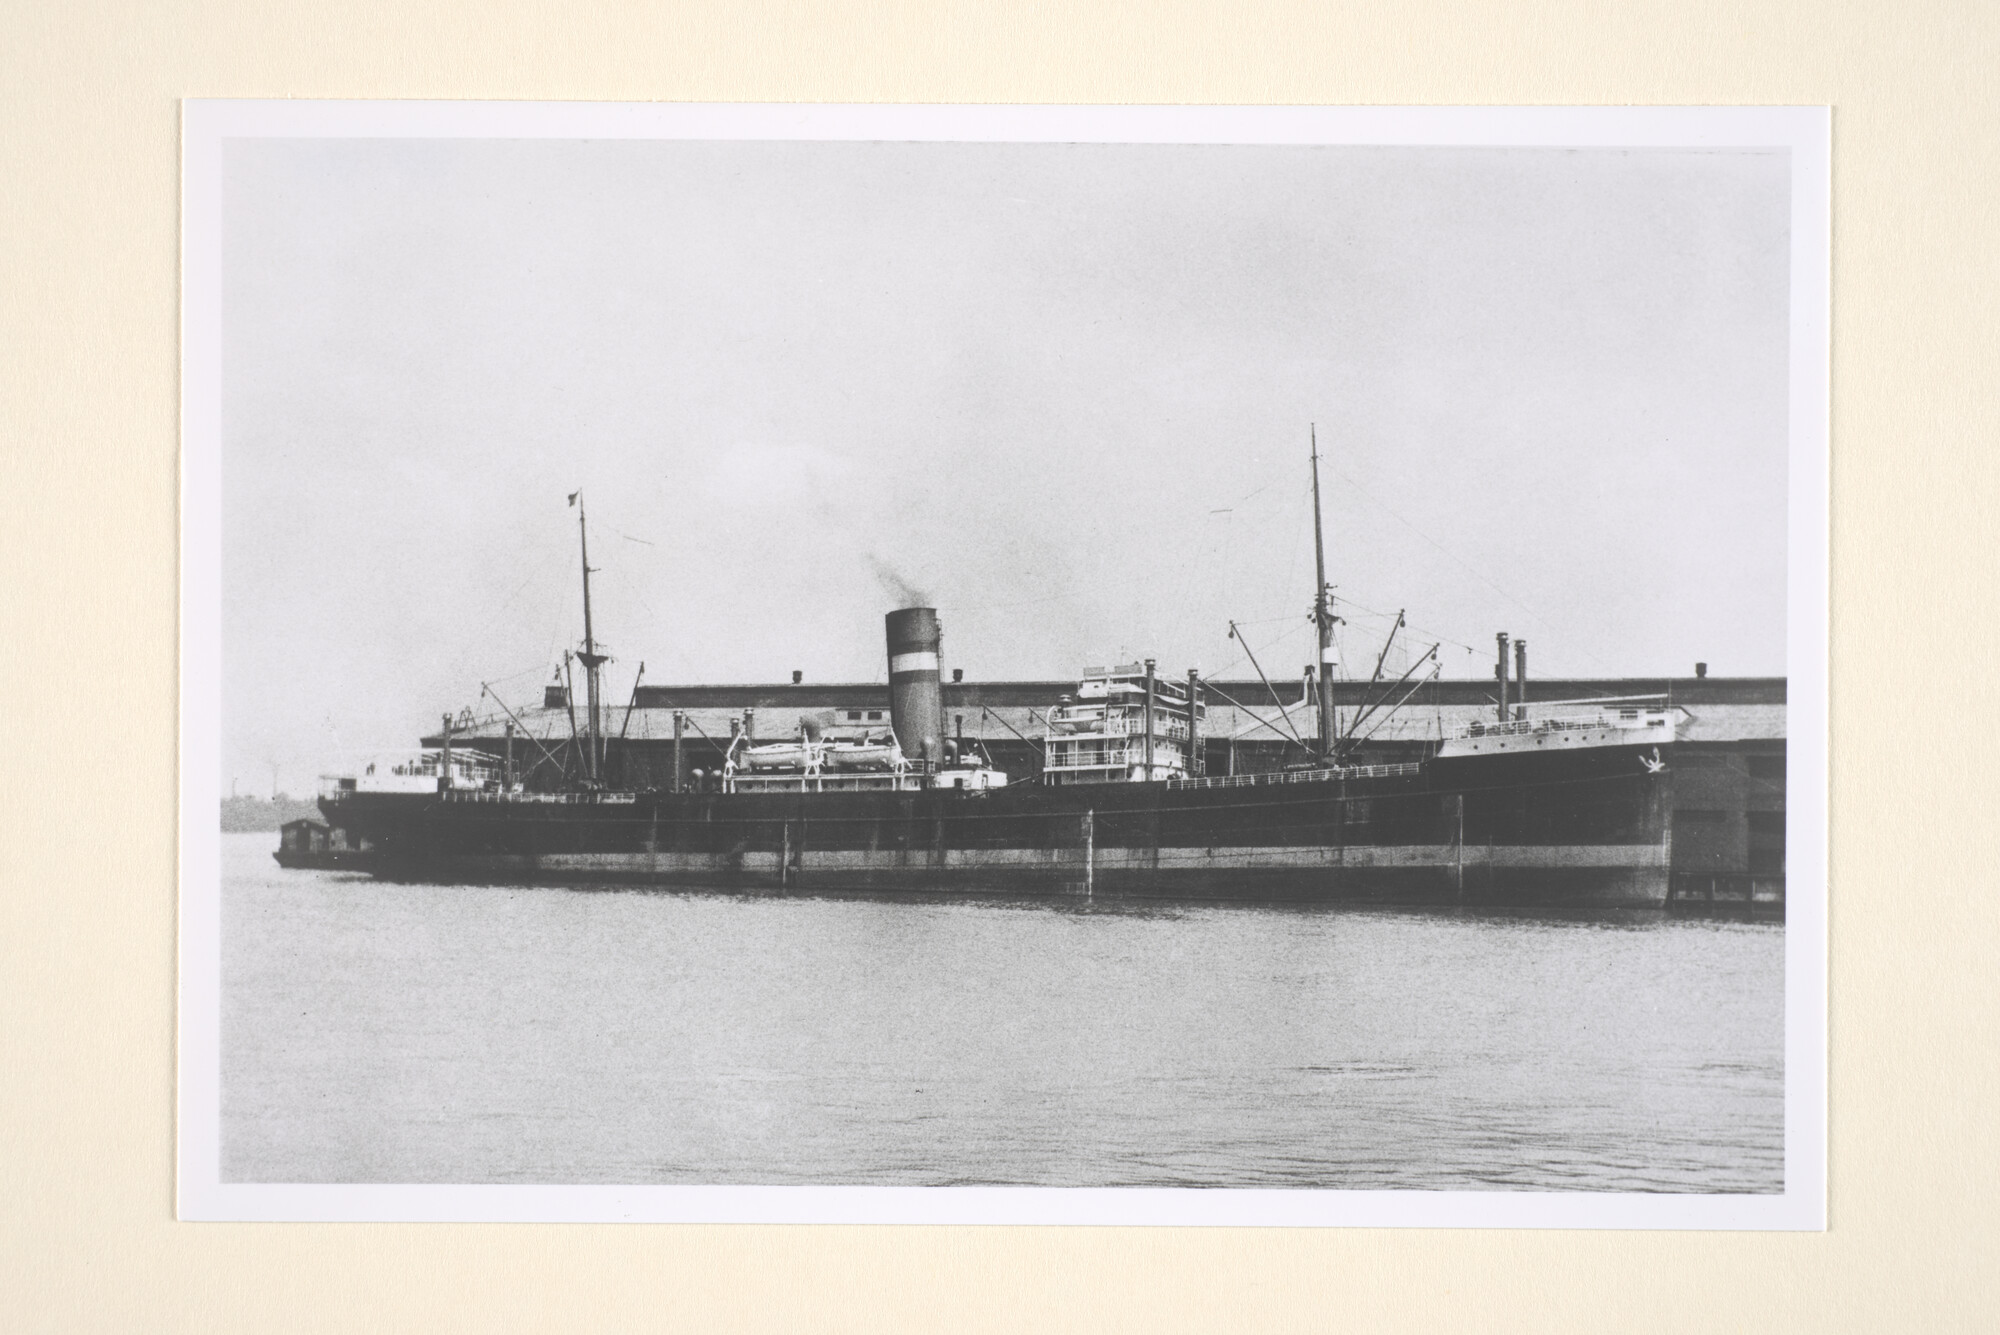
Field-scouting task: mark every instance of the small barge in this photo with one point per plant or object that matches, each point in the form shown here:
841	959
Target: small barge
310	844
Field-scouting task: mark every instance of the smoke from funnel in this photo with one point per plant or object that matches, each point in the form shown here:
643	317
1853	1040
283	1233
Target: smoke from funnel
896	586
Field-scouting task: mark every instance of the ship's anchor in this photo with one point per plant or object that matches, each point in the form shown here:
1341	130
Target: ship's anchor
1653	763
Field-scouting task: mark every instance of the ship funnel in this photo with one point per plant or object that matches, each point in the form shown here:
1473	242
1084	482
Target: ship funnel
916	706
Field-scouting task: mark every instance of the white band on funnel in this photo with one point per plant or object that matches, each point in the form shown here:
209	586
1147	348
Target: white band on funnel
925	662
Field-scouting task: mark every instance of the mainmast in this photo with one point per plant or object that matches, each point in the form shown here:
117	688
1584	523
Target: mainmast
1322	617
593	759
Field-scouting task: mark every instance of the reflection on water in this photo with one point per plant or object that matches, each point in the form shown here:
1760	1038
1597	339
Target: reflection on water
391	1033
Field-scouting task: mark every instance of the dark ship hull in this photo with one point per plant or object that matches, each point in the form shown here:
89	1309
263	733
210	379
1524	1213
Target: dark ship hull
1583	828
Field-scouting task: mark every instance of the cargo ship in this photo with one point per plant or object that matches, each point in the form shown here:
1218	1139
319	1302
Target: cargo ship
1562	805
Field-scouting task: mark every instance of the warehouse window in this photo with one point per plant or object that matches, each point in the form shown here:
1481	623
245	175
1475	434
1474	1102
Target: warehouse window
1767	843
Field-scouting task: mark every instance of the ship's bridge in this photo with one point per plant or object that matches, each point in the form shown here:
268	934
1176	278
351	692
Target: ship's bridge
1125	724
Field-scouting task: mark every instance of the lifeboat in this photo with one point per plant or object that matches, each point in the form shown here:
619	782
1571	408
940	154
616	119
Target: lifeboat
780	755
863	755
1076	718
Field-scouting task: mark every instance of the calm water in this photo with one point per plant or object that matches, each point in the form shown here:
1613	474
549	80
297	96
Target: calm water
382	1033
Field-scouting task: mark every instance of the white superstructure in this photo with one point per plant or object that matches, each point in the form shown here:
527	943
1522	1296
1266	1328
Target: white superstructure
427	771
1125	724
1580	725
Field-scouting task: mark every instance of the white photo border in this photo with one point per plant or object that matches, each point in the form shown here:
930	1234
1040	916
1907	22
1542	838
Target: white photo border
1805	132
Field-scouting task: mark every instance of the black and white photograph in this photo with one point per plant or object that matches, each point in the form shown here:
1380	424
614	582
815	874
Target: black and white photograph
1007	665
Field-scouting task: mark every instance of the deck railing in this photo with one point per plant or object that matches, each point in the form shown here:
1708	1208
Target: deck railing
552	799
1300	776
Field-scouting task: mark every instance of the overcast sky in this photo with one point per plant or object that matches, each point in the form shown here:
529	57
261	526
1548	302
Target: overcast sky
1063	390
